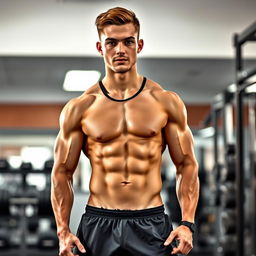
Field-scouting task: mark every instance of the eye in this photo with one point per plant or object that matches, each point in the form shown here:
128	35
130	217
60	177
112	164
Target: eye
129	42
111	43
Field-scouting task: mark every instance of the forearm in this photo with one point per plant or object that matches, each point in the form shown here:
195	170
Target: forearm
62	199
187	188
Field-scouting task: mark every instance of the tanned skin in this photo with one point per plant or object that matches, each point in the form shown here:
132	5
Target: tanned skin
124	142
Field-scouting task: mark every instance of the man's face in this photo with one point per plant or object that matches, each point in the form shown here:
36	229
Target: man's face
119	47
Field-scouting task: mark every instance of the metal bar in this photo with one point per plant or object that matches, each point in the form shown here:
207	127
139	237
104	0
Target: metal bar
239	174
225	141
19	171
253	39
216	169
246	88
23	200
239	151
239	64
244	75
216	133
252	131
247	34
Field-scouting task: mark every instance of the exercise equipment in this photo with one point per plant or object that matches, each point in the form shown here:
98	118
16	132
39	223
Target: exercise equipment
26	166
242	76
4	164
44	205
33	223
48	240
235	183
4	239
28	206
48	165
230	163
4	202
229	222
228	196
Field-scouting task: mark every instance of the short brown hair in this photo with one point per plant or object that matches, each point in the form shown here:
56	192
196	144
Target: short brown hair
117	16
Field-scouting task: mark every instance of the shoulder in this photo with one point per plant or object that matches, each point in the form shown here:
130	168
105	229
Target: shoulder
81	103
78	105
75	108
171	103
168	99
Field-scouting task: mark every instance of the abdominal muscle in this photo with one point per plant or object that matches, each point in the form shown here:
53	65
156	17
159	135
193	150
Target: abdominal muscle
114	192
132	184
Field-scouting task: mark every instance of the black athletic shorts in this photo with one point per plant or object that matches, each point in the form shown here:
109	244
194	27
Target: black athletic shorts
105	232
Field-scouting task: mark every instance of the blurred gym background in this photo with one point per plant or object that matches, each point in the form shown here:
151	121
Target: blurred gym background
203	50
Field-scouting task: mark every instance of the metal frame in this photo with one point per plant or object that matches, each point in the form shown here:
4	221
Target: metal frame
252	125
220	103
215	116
247	35
221	109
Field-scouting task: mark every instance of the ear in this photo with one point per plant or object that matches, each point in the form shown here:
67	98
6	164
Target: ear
99	48
140	45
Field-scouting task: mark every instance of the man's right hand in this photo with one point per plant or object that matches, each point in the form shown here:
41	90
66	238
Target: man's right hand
67	243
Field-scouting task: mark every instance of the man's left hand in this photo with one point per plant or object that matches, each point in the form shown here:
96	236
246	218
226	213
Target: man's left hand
184	237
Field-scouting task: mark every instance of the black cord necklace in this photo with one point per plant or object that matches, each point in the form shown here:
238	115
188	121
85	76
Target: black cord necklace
106	93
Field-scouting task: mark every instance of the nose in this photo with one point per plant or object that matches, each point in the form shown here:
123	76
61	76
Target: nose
120	48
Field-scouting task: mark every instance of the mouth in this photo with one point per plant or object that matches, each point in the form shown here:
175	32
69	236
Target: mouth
120	60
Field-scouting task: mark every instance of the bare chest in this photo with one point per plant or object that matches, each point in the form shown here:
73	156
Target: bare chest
142	116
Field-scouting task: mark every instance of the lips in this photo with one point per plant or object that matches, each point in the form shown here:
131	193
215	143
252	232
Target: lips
120	59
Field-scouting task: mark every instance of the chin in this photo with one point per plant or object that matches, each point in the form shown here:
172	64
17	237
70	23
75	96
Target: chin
121	70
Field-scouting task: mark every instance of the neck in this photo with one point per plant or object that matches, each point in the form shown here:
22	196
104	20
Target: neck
122	81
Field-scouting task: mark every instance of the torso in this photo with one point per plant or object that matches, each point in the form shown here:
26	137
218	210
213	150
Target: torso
124	142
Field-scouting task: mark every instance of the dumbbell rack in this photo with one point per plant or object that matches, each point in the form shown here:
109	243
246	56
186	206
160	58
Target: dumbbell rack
20	201
23	249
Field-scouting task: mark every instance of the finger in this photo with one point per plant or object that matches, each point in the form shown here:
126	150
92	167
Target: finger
75	251
180	248
169	239
66	252
79	246
187	249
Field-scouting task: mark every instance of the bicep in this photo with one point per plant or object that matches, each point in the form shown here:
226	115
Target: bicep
180	143
177	134
67	150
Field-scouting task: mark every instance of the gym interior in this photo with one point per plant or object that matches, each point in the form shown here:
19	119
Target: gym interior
203	50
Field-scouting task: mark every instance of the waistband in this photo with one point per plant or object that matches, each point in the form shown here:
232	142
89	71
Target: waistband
96	211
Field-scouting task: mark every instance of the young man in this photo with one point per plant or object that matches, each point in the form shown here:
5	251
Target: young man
123	124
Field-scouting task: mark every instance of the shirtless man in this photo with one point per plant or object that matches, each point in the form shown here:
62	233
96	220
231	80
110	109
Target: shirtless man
123	124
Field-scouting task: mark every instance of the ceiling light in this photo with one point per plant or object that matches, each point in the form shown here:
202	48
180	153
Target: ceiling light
80	80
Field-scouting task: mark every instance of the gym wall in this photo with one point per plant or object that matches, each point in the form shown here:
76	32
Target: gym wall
46	116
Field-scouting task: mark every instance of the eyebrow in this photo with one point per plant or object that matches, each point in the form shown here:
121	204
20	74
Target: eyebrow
114	39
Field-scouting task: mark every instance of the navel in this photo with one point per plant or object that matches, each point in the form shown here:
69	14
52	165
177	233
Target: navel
124	183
